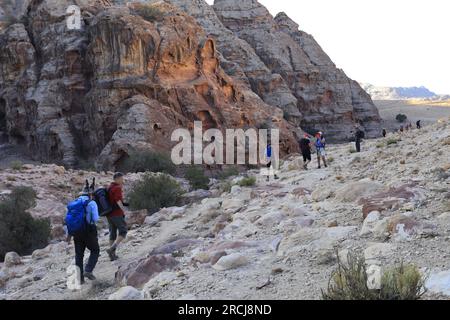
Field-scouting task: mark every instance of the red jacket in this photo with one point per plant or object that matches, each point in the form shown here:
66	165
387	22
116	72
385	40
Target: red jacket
115	194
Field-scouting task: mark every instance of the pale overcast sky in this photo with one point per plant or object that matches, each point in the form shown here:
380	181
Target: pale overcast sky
383	42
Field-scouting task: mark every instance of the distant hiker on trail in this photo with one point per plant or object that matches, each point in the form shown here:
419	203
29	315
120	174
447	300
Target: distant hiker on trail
82	216
401	129
116	219
359	135
384	133
270	161
419	124
320	148
305	148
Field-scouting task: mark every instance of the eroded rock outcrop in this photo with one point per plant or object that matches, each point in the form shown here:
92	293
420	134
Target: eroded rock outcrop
327	98
125	81
120	83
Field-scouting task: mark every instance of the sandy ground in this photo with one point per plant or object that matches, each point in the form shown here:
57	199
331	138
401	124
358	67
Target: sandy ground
428	113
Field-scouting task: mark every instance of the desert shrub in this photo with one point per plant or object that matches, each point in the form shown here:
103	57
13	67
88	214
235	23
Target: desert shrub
401	117
197	178
392	141
226	186
349	282
148	12
23	198
402	283
247	182
19	231
154	192
228	172
143	161
16	165
330	159
86	165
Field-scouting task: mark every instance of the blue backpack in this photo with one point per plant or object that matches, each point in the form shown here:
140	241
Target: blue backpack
76	216
320	144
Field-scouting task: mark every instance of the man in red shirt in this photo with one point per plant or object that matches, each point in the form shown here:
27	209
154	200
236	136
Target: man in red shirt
116	219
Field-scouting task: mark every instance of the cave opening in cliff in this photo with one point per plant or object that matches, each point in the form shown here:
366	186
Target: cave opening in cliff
207	119
2	115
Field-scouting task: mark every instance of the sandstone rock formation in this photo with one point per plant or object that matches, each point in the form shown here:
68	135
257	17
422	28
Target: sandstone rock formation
124	82
326	98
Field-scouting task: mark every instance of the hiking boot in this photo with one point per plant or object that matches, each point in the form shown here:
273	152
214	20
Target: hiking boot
277	177
90	276
112	254
267	179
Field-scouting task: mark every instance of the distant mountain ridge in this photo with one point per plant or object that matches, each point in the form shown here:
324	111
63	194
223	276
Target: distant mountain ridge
399	93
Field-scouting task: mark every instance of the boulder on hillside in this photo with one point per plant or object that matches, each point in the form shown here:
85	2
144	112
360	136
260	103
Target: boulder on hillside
12	259
232	261
392	199
353	191
138	273
126	293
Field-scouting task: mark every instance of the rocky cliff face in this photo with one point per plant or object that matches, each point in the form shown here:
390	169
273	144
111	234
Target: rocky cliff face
326	97
121	82
125	81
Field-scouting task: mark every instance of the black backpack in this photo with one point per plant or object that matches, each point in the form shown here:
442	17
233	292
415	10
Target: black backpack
102	200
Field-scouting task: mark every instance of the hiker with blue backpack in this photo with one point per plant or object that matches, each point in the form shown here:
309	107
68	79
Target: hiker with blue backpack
81	219
320	148
271	162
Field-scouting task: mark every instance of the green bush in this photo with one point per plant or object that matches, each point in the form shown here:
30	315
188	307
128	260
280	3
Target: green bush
402	283
247	182
392	141
349	282
401	118
144	161
19	231
148	12
16	165
154	192
197	178
226	186
23	198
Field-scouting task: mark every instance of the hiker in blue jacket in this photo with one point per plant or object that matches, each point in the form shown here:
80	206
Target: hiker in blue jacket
271	162
87	237
320	148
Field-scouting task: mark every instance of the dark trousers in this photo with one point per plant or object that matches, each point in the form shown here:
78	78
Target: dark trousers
89	240
358	146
